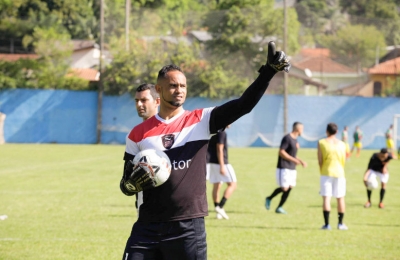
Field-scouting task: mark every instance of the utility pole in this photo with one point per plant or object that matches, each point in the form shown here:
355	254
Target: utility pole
100	83
127	15
285	75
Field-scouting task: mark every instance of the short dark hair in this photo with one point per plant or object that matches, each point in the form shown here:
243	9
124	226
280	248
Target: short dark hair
295	124
384	150
148	86
332	128
167	68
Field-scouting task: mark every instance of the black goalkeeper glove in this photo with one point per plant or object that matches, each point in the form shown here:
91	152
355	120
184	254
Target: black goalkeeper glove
136	178
277	59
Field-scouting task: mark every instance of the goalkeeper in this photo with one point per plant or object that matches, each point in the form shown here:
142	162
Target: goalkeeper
171	218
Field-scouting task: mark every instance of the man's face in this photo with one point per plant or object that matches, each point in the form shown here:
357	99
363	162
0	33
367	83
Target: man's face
383	156
146	106
300	129
172	89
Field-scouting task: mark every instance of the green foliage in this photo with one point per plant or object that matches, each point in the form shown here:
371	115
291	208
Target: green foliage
355	45
394	87
295	87
382	14
319	17
17	74
240	31
371	8
54	49
19	18
49	70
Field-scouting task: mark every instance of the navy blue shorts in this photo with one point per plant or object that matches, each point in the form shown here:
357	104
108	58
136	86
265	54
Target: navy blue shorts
185	239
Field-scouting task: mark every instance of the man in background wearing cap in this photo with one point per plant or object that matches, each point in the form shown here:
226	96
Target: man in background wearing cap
377	167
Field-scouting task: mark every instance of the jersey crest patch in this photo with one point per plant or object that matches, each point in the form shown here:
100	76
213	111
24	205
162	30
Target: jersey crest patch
168	140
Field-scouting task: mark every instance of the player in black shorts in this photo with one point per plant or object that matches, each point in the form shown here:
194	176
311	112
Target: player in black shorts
220	171
377	168
171	218
286	173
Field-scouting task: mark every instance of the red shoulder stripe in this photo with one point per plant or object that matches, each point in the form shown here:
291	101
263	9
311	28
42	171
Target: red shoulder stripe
154	127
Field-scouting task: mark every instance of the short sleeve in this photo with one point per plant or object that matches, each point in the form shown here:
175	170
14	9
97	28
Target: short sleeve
284	143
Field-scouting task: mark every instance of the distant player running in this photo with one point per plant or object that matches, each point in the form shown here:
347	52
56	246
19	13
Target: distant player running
220	171
358	136
286	173
377	167
389	141
331	160
345	139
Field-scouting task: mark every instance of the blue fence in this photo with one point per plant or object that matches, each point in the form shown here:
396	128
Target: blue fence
58	116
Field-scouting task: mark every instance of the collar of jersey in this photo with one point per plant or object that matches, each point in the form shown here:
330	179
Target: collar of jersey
171	119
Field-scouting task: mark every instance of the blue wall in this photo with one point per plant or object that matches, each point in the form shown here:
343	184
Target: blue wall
59	116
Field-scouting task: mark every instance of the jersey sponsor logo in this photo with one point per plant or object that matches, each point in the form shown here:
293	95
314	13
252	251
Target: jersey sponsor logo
168	140
180	165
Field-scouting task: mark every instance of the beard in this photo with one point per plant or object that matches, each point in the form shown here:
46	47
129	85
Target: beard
175	104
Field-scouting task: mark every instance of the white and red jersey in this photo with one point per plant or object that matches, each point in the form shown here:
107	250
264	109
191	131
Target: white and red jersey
184	139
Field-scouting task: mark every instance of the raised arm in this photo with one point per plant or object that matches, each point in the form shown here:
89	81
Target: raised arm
231	111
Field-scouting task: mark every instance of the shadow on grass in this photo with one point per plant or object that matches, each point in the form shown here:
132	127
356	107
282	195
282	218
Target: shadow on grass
254	227
212	211
375	225
334	204
120	205
121	216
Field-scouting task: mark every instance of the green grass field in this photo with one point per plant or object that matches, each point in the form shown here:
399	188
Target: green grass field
64	202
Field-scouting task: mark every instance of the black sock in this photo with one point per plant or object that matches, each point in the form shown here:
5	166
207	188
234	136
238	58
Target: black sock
369	192
222	202
284	197
216	204
382	194
340	216
326	217
276	192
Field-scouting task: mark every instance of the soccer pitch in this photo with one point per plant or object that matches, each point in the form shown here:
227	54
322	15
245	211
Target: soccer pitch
64	202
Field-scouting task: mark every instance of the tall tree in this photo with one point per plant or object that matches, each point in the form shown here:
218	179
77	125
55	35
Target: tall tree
18	18
355	45
241	31
382	14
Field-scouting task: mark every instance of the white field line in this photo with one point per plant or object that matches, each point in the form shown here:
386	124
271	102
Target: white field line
50	239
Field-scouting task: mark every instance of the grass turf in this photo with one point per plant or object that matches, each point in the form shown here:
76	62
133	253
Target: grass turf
63	202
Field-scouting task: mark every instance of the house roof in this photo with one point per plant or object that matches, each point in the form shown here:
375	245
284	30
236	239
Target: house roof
315	52
15	57
390	67
83	44
86	74
394	52
323	65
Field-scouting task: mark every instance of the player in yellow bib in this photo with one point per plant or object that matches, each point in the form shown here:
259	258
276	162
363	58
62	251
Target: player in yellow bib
389	141
358	136
331	160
